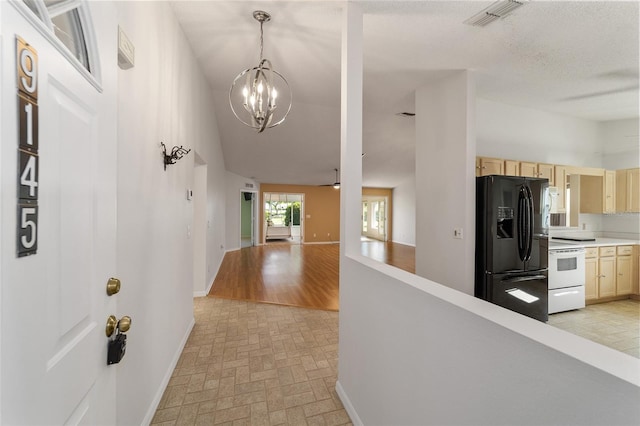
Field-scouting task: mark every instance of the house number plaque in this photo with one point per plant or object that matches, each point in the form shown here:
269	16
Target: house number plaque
28	160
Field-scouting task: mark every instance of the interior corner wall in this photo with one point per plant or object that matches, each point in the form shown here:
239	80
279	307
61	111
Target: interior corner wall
404	212
445	181
163	98
235	184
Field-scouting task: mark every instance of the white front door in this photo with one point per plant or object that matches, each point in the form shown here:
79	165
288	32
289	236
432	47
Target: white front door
53	347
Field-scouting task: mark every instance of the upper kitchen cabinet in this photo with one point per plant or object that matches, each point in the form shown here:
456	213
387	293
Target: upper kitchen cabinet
528	169
489	166
627	191
546	171
561	183
511	168
609	200
539	170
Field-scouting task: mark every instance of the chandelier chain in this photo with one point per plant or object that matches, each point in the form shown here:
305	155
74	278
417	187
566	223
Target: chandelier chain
261	42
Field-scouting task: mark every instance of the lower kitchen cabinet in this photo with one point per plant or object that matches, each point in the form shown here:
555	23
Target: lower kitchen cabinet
608	272
606	277
624	278
591	279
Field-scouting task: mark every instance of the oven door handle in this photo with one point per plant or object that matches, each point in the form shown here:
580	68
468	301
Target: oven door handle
527	278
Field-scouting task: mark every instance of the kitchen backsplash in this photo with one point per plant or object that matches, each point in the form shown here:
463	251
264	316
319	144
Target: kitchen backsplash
625	225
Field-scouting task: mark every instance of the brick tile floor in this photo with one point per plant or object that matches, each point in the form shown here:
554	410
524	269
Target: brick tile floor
255	364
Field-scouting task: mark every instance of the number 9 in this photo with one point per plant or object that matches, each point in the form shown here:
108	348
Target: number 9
27	65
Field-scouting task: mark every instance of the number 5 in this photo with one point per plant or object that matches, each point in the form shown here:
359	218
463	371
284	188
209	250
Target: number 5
26	223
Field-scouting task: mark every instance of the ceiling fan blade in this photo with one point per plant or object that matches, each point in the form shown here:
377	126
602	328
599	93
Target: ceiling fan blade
602	93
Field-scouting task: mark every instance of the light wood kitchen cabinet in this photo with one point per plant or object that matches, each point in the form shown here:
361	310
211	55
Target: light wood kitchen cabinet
528	169
623	280
546	171
591	278
627	190
491	166
561	184
606	276
609	272
609	200
511	168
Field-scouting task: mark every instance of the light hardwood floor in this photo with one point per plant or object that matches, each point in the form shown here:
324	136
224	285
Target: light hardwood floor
296	275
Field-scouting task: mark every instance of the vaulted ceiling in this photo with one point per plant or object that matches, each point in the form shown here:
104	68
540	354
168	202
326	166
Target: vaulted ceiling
574	58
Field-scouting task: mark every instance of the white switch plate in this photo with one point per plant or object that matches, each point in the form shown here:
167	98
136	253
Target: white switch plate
457	233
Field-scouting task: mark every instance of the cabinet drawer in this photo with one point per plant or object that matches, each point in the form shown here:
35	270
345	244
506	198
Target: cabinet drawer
624	250
607	251
591	252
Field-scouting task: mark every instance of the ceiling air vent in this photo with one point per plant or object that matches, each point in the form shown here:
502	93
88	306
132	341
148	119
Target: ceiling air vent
497	10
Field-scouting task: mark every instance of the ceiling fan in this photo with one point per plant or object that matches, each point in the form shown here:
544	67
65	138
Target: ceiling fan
336	183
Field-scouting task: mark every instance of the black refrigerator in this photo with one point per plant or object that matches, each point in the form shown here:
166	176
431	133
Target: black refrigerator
512	230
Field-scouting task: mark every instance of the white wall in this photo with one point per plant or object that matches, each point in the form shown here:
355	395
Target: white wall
235	184
163	98
620	144
445	168
404	212
512	132
440	357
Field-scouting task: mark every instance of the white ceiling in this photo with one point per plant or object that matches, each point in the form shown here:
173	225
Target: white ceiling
573	58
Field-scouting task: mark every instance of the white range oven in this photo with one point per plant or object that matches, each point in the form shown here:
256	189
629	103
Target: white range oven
566	279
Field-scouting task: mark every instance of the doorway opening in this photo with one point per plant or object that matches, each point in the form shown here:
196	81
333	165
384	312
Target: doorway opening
247	219
374	218
283	218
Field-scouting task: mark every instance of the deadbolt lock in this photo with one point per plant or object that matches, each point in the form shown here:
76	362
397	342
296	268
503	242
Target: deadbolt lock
113	286
121	326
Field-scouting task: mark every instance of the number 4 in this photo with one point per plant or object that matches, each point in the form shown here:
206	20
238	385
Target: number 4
28	176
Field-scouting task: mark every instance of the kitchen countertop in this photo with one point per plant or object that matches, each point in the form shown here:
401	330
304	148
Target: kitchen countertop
553	243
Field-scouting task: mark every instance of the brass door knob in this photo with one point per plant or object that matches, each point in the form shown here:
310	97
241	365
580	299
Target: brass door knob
124	324
112	323
113	286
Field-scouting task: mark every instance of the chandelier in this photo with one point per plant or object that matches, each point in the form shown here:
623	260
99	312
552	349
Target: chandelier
260	97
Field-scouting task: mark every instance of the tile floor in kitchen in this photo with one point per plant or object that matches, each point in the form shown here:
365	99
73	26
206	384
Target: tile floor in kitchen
613	324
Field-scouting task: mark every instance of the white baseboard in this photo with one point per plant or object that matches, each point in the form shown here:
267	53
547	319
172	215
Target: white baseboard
165	381
320	242
355	419
403	243
200	294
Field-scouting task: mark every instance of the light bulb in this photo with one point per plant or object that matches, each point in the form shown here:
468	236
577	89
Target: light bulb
252	100
245	91
260	88
274	94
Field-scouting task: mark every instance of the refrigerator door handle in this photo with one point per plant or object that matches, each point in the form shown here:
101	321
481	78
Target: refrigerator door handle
527	278
529	198
521	224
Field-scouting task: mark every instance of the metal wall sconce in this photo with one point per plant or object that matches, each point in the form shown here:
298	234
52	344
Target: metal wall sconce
177	152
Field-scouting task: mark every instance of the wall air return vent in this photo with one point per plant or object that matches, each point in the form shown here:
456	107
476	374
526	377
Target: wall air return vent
497	10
